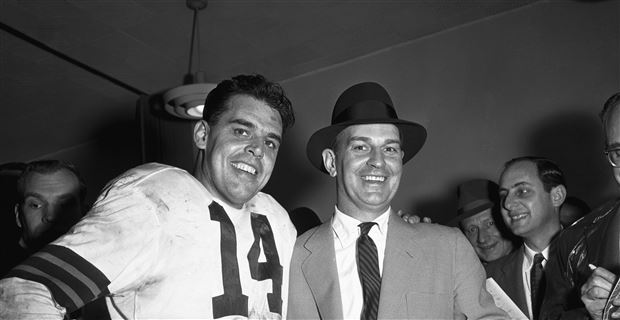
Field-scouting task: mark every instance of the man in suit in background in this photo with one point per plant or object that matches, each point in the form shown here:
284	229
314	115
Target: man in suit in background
366	262
591	243
531	192
50	200
572	210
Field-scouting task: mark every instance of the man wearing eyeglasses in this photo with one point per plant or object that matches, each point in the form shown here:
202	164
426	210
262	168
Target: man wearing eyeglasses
584	268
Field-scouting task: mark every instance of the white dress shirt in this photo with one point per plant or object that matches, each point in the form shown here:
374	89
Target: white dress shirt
528	260
346	232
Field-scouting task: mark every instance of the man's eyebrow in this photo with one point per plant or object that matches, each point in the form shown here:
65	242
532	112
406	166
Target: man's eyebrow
518	184
69	195
390	141
614	145
34	195
243	123
367	139
251	125
275	137
359	138
39	196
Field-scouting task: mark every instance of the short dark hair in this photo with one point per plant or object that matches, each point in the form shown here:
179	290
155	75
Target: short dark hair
46	167
610	104
549	172
255	86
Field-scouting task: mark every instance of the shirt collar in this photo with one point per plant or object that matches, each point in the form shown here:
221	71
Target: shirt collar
528	253
346	227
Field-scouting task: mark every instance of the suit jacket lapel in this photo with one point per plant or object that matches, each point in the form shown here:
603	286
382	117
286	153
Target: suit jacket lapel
399	260
320	270
513	280
609	249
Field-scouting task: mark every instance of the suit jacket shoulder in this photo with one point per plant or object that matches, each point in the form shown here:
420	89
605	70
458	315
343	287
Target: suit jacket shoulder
314	290
432	272
506	263
507	271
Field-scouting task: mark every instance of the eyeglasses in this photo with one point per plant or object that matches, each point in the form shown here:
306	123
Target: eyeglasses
613	156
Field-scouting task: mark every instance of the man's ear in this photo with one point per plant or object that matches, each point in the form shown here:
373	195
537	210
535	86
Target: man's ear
17	218
558	195
201	133
329	161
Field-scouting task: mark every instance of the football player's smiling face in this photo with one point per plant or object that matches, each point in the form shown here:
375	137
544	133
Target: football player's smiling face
241	150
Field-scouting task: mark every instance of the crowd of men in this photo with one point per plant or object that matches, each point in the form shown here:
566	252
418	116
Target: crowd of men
160	243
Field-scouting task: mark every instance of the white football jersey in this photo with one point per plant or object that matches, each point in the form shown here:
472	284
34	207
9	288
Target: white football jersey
158	245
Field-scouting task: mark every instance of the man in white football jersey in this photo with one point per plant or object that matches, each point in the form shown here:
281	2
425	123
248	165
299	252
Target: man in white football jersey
160	243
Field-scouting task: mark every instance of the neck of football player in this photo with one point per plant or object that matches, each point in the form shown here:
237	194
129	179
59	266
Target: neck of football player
542	237
201	175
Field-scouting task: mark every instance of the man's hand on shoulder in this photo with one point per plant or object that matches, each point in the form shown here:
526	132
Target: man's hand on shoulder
596	290
412	218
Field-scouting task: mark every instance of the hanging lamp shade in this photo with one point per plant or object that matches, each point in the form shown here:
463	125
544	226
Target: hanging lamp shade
187	101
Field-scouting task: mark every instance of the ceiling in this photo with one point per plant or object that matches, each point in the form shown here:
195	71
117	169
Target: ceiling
49	104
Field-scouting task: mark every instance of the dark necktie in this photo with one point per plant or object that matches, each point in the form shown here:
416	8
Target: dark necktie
537	284
368	269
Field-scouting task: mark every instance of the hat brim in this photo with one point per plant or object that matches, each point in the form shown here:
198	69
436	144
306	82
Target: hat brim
413	136
469	213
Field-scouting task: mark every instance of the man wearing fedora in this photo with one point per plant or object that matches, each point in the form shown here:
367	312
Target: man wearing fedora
366	262
479	218
531	191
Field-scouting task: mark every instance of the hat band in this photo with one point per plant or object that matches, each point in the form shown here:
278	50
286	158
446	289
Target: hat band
369	109
473	205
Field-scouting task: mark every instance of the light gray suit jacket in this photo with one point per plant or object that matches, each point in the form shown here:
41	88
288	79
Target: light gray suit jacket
429	272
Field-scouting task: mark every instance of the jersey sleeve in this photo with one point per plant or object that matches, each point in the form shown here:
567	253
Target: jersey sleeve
109	251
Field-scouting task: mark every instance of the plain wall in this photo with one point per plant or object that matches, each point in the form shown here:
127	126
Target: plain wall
527	82
100	160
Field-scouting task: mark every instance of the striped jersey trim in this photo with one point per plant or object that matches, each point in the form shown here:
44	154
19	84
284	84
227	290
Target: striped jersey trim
72	280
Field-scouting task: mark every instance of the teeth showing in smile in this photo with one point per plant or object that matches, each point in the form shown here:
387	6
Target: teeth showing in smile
487	247
244	167
373	178
517	216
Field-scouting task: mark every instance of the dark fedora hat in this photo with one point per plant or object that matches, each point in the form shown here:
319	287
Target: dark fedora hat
364	103
475	196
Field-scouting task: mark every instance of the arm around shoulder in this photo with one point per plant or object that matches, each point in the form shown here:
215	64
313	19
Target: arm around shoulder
472	298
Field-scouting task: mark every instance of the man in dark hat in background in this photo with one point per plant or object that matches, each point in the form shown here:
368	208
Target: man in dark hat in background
366	262
479	218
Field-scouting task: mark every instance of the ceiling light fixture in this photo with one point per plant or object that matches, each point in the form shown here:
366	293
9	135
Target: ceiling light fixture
187	101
